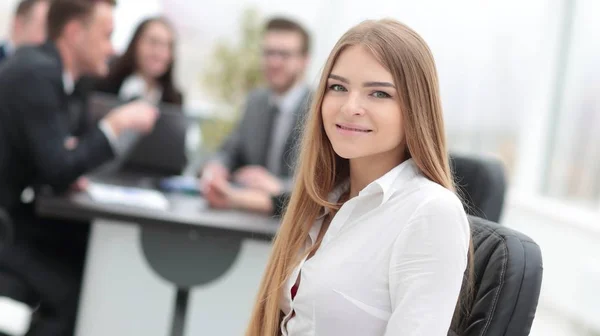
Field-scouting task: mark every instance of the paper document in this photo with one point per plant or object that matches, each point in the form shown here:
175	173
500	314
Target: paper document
113	194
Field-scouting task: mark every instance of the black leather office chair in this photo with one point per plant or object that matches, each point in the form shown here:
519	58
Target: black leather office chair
508	277
481	183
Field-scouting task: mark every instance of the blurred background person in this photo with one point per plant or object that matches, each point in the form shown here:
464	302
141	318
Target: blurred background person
145	70
28	26
261	150
38	150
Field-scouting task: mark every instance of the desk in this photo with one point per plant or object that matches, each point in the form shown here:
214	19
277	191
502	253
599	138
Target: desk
189	270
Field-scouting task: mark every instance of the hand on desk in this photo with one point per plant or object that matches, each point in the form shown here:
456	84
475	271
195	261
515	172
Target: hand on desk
214	170
257	177
221	194
81	184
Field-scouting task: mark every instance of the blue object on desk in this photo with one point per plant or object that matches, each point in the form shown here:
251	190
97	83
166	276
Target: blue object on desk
180	184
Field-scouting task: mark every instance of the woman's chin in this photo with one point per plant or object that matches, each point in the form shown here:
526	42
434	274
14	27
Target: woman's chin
348	153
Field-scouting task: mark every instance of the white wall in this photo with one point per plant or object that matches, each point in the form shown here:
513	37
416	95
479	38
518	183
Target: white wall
479	46
492	56
7	7
128	14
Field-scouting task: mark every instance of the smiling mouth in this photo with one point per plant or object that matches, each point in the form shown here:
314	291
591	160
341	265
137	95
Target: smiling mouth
351	129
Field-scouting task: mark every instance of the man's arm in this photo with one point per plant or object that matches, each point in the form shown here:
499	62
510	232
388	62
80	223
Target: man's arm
39	111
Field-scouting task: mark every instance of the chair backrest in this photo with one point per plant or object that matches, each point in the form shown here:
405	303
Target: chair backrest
481	182
508	276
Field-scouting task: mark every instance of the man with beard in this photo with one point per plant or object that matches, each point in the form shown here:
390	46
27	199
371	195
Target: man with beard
260	153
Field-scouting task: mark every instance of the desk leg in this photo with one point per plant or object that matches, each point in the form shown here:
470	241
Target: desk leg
180	311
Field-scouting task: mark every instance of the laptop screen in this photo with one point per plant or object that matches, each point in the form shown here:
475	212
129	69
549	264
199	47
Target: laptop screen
162	151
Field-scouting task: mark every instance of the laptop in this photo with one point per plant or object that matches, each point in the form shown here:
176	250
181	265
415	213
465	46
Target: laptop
162	152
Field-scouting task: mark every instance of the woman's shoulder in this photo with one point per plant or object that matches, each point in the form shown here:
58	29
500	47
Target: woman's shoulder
430	198
428	211
419	187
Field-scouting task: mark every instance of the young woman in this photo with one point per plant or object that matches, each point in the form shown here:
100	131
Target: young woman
145	70
374	240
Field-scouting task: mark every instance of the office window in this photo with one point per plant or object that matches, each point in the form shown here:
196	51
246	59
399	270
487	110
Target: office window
493	56
574	160
489	70
487	90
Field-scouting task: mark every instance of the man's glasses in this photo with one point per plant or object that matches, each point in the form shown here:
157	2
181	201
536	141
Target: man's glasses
280	53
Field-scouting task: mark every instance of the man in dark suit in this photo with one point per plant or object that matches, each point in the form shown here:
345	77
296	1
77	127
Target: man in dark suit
41	147
28	26
260	153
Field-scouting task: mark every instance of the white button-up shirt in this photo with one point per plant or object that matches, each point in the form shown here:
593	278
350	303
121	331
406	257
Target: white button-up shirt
391	263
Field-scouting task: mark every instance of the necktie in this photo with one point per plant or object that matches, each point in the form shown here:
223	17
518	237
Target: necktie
271	158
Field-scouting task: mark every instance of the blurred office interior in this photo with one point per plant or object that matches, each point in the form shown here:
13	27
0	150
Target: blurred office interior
520	81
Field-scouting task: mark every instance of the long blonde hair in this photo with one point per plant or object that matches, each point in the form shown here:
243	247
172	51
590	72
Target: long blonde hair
408	58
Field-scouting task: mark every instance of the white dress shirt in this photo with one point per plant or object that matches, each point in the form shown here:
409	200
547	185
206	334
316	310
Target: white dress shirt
134	86
391	262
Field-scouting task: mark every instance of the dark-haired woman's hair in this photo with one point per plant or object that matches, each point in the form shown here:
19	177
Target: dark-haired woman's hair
125	65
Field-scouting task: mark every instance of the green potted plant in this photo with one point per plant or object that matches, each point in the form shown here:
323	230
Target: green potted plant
233	70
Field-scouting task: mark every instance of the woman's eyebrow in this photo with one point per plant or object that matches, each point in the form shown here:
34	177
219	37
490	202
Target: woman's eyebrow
365	84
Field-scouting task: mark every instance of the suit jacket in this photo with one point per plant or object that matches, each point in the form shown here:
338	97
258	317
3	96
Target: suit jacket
34	123
249	142
280	203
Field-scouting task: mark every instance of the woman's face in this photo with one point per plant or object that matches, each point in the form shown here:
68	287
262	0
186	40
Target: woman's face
154	50
361	110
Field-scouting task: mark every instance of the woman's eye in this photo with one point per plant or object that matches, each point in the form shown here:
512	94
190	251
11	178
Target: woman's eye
337	87
380	94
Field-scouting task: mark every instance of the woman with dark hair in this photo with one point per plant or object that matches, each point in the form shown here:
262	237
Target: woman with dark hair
145	70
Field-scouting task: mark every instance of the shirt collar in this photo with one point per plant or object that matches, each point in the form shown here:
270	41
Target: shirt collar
68	83
386	184
290	99
391	181
333	197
